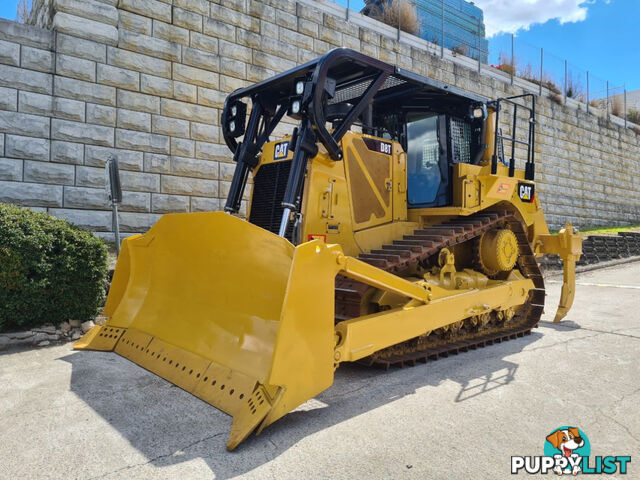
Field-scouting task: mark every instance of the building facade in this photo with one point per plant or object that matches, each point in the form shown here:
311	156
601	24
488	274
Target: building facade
464	30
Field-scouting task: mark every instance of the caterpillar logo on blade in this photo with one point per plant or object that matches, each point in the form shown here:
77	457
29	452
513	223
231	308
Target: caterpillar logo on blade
281	150
526	192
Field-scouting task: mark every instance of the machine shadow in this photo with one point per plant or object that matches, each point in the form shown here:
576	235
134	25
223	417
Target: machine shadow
169	425
561	326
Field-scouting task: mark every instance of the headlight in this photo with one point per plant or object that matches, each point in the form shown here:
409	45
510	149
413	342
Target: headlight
234	111
232	127
299	88
478	113
295	106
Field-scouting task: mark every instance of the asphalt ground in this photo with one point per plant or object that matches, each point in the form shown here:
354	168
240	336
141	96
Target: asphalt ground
90	415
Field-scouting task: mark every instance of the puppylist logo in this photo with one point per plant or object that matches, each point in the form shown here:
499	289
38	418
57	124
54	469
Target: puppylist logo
567	450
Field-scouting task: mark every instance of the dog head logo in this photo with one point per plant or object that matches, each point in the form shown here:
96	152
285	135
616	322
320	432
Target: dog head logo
566	440
567	445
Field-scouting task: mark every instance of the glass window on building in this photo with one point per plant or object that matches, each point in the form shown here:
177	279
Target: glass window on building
464	29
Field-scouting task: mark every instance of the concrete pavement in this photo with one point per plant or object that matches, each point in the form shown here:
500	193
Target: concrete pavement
90	415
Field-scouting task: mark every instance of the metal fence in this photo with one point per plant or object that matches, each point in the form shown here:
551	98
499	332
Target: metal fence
451	27
564	80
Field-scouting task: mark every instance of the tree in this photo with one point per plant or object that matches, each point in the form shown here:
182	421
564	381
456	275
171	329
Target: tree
23	11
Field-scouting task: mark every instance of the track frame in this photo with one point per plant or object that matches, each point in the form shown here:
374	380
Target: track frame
422	246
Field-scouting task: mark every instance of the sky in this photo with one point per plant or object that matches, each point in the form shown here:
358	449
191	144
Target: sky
8	9
595	35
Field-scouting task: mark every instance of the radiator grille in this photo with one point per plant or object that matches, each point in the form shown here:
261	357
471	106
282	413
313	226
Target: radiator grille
269	186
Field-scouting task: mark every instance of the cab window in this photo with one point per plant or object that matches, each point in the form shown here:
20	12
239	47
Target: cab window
424	175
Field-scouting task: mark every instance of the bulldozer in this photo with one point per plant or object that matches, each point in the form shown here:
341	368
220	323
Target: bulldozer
394	219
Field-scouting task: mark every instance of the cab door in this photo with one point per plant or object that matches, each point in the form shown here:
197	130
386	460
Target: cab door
427	163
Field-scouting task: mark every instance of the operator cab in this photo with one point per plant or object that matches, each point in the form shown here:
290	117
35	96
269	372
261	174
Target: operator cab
437	125
434	143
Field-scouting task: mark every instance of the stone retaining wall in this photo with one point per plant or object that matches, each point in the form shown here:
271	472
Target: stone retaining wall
145	79
48	334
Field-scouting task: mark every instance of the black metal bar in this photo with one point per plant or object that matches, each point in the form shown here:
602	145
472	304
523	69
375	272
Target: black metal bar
514	128
245	158
530	143
305	148
115	195
511	100
316	109
506	137
278	88
367	120
494	158
272	125
530	170
483	132
357	109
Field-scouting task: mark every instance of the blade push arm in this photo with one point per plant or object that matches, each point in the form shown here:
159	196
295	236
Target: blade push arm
431	307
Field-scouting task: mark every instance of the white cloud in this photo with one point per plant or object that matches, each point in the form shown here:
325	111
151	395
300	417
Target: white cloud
514	15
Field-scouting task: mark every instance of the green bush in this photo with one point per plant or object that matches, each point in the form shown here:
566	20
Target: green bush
50	271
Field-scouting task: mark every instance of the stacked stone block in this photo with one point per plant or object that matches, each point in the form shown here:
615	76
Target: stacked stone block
146	80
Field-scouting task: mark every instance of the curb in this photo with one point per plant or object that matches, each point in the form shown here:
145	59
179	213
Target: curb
597	266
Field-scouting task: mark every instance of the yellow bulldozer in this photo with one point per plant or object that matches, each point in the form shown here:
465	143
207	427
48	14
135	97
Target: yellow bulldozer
390	226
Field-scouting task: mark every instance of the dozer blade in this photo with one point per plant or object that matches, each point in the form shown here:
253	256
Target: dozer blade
229	312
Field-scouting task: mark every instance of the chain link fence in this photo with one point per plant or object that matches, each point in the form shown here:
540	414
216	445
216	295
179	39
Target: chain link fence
457	26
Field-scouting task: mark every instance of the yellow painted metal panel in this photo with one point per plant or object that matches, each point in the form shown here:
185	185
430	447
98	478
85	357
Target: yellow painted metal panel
251	413
220	308
224	388
303	354
370	182
362	336
210	284
132	343
100	338
120	277
363	272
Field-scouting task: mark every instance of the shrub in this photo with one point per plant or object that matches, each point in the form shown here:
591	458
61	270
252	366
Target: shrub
633	116
557	98
50	271
400	12
617	107
574	88
460	50
511	67
597	104
507	65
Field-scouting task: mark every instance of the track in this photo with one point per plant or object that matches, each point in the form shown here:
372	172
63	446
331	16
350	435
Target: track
422	247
